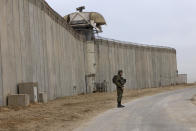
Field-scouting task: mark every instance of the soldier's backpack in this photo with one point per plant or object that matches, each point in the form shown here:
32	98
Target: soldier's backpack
114	79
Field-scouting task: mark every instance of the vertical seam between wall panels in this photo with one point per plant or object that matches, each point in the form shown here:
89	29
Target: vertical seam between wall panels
109	64
14	51
20	40
85	67
1	77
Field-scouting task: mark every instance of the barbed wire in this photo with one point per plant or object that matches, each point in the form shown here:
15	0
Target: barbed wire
132	43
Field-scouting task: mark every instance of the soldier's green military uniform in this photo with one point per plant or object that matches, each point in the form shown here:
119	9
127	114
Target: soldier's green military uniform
119	82
119	87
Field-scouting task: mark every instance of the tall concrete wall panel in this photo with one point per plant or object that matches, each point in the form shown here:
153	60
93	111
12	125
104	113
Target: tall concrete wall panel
144	66
37	46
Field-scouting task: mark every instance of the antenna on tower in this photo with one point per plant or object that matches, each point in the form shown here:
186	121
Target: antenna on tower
80	9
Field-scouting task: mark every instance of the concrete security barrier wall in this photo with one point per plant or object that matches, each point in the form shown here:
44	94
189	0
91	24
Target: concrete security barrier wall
144	66
37	46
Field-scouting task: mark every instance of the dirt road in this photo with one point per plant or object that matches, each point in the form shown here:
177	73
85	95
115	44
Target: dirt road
169	111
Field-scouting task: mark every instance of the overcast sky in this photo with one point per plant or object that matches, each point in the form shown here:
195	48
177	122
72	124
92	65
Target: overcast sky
159	22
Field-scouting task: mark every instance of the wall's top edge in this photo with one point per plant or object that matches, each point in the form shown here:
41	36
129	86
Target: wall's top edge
43	5
182	74
132	44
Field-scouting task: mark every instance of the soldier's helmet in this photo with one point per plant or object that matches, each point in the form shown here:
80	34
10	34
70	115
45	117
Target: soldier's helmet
120	71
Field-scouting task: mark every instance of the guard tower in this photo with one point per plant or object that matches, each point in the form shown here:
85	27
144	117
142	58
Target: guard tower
88	24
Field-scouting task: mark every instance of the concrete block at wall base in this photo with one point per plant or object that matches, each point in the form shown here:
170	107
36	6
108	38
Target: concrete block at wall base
18	100
31	90
194	98
43	98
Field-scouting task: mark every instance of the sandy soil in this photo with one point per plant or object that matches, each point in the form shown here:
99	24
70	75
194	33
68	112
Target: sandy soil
67	113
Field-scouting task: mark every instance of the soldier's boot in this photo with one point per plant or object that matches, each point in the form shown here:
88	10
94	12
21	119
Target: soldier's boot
121	105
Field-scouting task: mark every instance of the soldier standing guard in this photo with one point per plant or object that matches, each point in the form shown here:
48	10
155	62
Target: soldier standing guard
119	81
